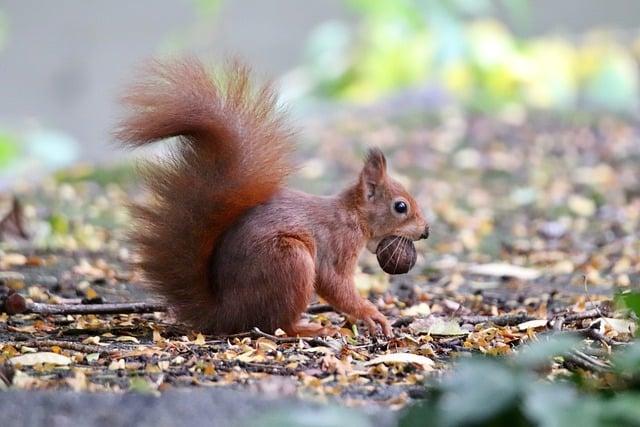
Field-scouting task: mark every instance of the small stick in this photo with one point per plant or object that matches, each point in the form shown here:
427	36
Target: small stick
115	308
503	320
586	362
596	335
67	345
587	314
20	305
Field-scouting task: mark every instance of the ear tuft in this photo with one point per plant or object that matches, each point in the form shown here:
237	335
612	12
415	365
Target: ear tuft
374	171
375	158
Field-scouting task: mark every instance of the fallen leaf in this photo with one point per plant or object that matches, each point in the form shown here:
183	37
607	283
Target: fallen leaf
14	259
581	205
621	326
498	269
117	365
421	309
199	340
391	358
436	326
533	324
92	357
266	344
31	359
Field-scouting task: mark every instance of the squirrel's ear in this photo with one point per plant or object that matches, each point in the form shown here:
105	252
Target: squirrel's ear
373	173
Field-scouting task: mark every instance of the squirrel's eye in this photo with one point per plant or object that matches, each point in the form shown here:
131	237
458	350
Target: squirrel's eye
400	207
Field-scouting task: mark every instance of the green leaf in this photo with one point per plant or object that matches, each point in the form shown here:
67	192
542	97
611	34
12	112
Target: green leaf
208	7
553	405
480	390
622	410
627	361
419	414
140	385
629	300
537	354
59	224
9	149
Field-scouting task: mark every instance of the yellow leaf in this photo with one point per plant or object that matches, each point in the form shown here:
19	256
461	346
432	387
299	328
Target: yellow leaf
266	344
209	370
91	294
199	340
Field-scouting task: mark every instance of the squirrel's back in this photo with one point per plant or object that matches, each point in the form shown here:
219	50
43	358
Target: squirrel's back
233	153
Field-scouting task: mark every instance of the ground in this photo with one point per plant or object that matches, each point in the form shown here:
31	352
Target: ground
535	223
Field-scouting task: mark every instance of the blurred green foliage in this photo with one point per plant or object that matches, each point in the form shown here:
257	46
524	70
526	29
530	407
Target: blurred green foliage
9	148
488	392
512	391
207	8
456	44
629	300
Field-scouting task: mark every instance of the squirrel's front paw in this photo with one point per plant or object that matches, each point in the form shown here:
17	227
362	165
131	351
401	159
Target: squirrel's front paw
372	318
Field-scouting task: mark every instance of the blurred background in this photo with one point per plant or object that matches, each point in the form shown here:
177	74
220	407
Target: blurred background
62	63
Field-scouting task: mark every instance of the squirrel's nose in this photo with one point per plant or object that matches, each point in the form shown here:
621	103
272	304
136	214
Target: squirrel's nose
425	233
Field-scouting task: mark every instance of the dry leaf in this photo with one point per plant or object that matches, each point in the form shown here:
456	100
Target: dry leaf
436	326
533	324
117	365
199	340
421	309
31	359
621	326
498	269
415	359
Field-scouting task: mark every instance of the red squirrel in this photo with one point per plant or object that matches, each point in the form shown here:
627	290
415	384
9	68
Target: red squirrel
223	240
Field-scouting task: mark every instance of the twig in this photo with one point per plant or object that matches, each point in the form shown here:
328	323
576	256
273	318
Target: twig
110	308
587	314
67	345
503	320
115	308
586	291
586	362
596	335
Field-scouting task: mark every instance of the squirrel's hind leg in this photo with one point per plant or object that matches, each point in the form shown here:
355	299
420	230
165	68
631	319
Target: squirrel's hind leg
295	258
272	291
292	272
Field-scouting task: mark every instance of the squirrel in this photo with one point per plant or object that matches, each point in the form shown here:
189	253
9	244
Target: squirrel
223	241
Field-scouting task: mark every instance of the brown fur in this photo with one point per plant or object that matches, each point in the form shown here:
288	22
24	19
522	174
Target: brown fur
223	241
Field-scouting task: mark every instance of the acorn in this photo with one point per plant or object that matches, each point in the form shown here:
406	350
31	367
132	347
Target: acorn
396	254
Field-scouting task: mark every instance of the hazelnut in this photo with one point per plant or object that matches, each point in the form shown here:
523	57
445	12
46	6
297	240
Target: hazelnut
396	254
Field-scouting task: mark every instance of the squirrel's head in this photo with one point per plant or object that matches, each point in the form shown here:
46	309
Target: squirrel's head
386	205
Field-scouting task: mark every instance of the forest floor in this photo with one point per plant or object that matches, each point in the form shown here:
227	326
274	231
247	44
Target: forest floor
535	228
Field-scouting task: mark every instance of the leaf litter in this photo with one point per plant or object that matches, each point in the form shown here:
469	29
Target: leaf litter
535	227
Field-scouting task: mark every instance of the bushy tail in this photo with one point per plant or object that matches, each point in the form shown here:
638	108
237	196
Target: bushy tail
233	153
